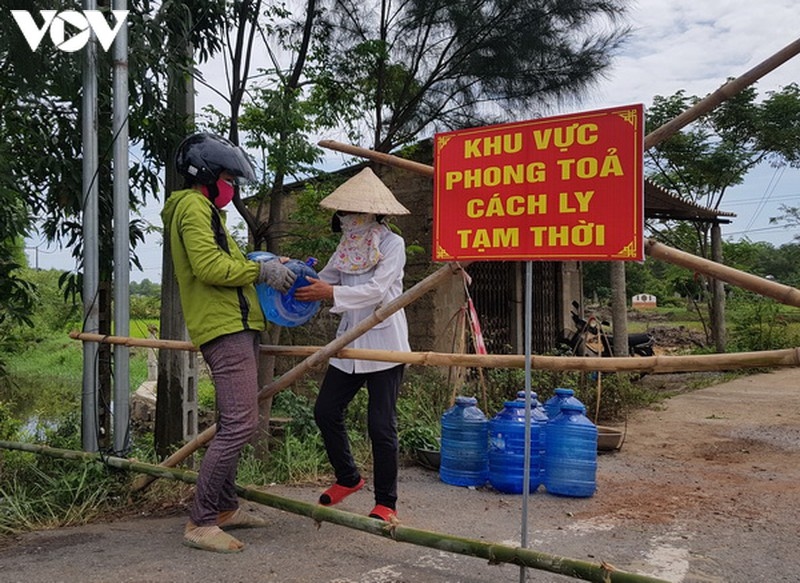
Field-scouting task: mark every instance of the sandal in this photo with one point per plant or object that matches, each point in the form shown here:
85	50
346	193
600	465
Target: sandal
384	513
211	538
231	519
337	493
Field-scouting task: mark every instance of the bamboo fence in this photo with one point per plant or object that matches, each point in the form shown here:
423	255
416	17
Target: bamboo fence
650	364
492	552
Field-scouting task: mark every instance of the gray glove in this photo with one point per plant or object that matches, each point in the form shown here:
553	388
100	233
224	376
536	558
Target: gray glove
276	275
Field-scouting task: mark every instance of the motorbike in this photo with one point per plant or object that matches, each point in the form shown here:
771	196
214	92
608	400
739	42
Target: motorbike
589	338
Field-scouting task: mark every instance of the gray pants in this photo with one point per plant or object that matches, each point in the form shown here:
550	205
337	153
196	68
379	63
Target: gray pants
233	360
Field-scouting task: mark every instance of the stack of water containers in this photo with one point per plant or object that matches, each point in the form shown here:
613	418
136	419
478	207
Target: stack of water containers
282	308
464	458
570	459
507	446
563	450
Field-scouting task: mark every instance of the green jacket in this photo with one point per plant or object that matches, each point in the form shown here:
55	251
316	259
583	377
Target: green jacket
216	280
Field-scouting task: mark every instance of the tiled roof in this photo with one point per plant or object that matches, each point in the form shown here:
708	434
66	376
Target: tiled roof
661	204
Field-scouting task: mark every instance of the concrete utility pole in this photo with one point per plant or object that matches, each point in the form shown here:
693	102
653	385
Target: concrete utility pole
122	306
91	260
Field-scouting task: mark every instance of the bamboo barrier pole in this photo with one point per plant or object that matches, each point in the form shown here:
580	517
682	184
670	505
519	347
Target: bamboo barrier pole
130	342
386	159
772	289
320	356
652	364
493	552
727	91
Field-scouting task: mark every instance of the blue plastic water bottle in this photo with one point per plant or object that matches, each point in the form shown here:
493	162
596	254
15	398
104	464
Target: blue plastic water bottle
553	404
535	402
282	308
570	460
507	447
464	451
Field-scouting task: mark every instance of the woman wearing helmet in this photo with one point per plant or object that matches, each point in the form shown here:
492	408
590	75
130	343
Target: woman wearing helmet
224	319
365	272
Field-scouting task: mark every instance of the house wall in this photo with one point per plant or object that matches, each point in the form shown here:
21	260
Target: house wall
431	319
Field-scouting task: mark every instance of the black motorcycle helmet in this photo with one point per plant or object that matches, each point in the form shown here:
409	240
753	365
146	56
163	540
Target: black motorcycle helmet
202	157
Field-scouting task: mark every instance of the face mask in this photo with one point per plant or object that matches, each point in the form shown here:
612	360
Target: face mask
220	193
356	222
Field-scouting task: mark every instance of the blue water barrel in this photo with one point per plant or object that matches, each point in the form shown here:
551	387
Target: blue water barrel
464	448
553	405
570	459
507	448
282	308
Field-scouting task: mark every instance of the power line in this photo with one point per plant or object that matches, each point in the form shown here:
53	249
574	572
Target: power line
761	230
770	188
746	201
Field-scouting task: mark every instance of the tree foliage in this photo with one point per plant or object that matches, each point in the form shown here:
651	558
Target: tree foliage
403	69
41	113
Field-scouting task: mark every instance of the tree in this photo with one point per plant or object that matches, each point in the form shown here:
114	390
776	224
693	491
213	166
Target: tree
714	153
277	118
405	69
40	109
700	163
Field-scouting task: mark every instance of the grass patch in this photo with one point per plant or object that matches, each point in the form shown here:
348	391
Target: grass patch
38	492
69	494
140	328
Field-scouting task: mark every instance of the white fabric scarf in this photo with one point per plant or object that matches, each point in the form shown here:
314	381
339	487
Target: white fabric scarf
358	249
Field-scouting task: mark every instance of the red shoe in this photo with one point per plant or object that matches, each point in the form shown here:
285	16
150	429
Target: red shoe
384	513
337	493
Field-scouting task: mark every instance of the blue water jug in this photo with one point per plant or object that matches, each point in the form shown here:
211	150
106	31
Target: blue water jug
570	459
535	402
464	449
553	405
507	448
282	308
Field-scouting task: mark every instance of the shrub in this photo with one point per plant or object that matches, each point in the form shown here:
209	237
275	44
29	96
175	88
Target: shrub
757	323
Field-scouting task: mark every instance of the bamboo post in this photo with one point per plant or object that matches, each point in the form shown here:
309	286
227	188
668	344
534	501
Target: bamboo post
318	357
494	552
785	357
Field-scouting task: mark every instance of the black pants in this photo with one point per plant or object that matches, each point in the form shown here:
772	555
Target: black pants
337	391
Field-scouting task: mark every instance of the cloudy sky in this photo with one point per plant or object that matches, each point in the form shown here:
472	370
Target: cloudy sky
694	45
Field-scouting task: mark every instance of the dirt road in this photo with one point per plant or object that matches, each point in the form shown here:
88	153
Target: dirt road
705	489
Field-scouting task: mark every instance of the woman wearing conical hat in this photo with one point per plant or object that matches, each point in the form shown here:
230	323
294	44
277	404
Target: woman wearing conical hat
365	272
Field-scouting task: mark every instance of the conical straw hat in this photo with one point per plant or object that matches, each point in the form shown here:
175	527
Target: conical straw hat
364	193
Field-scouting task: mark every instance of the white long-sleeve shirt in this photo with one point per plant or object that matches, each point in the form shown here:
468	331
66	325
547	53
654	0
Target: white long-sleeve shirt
357	296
